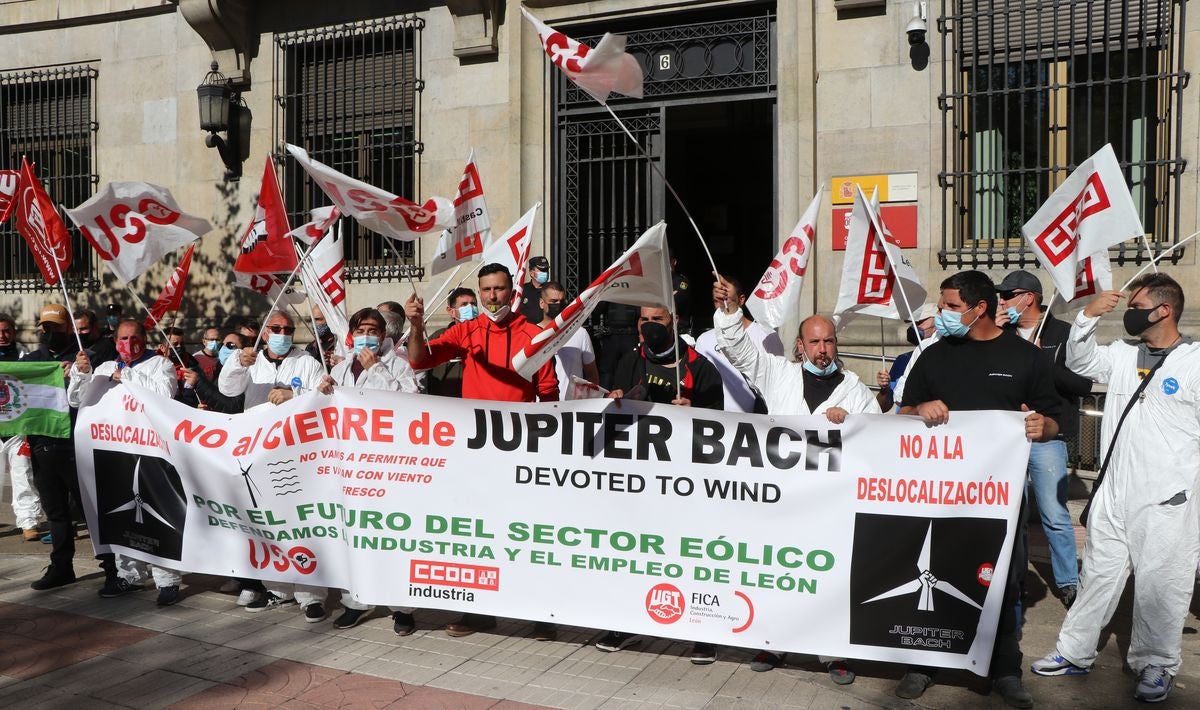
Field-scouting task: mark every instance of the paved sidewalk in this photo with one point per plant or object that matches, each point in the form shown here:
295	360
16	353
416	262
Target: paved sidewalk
67	648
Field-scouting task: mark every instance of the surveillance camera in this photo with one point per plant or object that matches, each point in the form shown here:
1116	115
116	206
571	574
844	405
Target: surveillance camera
917	27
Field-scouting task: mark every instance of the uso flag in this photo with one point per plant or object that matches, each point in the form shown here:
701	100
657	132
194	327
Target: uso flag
777	294
1091	211
599	71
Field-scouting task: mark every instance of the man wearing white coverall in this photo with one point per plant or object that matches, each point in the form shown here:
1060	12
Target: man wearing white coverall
817	385
1144	516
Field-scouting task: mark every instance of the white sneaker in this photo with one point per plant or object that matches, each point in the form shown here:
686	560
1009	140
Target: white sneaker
1154	684
230	586
248	597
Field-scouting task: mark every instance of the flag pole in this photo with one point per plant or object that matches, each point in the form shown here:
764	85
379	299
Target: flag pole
312	329
882	349
67	301
654	166
157	325
1149	252
891	264
1045	315
1154	260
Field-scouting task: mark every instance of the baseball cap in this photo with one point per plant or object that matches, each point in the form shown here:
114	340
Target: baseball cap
54	313
539	262
1020	281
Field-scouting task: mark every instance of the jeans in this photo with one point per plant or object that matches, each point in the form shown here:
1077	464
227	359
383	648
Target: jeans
1048	479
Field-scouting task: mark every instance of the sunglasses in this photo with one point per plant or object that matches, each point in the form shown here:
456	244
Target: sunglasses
231	345
1009	295
285	329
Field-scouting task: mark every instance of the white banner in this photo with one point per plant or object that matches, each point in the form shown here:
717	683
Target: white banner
464	241
877	279
1091	211
777	295
879	538
132	225
378	210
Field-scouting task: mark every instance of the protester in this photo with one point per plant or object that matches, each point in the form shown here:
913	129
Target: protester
681	289
207	357
666	369
922	336
531	291
324	344
816	385
978	365
616	333
175	352
390	307
274	375
54	458
445	380
111	319
739	395
1143	514
14	451
374	363
1020	308
486	346
142	367
99	347
575	358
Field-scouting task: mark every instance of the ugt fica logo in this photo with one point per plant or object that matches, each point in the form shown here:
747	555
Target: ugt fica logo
664	603
921	582
140	503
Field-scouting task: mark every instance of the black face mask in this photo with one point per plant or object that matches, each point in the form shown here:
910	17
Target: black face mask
55	342
553	309
656	336
910	333
1137	320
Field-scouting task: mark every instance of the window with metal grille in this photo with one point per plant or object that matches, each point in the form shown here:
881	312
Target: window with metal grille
351	95
48	116
1034	88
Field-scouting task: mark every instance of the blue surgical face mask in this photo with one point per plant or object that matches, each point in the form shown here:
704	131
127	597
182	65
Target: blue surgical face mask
279	344
541	277
1013	315
468	311
821	371
370	342
112	321
224	353
211	345
949	324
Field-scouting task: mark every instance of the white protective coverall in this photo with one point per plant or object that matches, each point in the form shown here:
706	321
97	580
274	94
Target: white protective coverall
781	381
392	373
157	374
16	464
256	382
1144	517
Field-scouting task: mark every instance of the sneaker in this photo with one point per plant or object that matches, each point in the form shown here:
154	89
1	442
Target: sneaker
118	587
1055	664
1067	594
1013	691
54	577
613	641
469	624
230	586
267	601
766	661
167	595
403	623
703	654
314	612
840	673
31	535
247	597
913	685
1154	684
47	539
349	618
545	631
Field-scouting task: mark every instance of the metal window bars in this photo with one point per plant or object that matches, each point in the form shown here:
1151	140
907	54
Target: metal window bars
1030	89
350	95
48	116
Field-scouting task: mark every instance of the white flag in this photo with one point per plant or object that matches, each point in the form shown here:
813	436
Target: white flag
1091	211
464	241
378	210
320	220
877	279
269	286
777	294
512	250
132	225
1093	276
323	277
599	71
640	277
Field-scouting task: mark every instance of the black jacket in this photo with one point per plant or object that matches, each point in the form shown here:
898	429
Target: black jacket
699	380
1070	386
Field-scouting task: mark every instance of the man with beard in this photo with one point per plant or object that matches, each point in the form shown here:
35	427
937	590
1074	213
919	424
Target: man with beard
575	358
98	346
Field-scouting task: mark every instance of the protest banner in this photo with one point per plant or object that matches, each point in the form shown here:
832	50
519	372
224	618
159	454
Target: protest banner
878	538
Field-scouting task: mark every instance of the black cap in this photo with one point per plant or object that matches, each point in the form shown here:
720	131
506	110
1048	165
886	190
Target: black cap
540	263
113	308
1020	281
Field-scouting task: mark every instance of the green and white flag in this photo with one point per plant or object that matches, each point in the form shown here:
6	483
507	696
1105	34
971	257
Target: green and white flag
33	400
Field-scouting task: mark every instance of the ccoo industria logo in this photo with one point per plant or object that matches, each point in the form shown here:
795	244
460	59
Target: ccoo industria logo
921	582
140	503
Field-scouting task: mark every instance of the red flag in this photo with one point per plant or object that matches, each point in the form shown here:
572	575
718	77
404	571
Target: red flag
266	246
172	293
8	192
41	226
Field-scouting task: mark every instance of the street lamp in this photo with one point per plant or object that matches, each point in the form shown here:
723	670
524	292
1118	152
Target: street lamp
222	110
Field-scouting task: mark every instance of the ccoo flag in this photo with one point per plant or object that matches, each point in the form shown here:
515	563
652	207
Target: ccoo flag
266	247
33	400
172	293
39	223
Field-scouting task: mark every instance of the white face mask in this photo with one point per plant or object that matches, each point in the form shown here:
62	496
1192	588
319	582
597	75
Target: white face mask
500	313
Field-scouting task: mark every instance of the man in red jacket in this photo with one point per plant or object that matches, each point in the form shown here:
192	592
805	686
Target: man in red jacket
486	346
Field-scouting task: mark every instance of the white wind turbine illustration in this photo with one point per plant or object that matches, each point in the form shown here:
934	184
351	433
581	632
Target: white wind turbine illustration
137	505
925	582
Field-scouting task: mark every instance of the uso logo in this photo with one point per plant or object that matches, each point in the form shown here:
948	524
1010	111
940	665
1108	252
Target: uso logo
664	603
